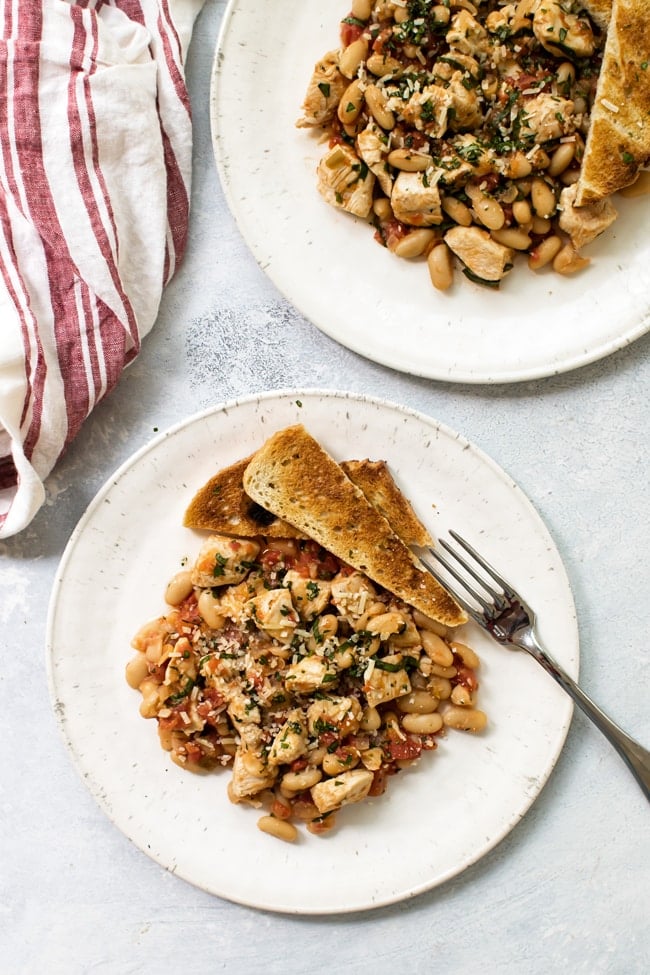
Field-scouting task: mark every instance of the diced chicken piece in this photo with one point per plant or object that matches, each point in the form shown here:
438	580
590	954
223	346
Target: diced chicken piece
387	684
547	117
345	181
324	92
352	595
339	714
584	224
500	18
246	783
308	675
273	611
484	257
241	708
223	561
561	32
466	34
465	104
341	790
309	596
416	199
233	602
372	146
150	639
426	110
291	740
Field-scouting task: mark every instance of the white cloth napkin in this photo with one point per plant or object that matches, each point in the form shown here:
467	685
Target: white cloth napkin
95	164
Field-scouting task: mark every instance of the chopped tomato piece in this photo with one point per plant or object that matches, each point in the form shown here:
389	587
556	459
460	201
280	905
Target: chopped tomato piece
350	31
404	749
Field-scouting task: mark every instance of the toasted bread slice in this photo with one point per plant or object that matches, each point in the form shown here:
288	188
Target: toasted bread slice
295	478
376	482
618	141
222	506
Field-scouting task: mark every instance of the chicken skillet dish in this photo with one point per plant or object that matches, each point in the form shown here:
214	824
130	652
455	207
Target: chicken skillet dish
458	128
311	683
313	673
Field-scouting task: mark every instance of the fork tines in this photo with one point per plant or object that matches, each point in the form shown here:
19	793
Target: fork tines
497	599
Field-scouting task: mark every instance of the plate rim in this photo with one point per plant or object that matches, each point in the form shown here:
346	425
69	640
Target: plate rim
94	787
508	376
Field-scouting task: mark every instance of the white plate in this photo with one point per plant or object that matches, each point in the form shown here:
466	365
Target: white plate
328	265
433	820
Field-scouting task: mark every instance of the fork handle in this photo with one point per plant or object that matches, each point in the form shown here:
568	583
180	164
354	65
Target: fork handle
636	757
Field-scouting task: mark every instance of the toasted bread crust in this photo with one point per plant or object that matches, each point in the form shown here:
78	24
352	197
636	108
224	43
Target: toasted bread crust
618	141
293	476
376	482
221	505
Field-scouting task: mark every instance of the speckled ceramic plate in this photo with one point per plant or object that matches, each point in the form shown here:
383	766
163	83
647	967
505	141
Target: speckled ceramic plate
328	265
435	819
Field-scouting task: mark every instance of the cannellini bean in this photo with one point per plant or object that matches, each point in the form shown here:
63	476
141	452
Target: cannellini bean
377	108
440	687
488	211
436	648
371	720
570	176
352	56
351	103
544	253
561	158
464	719
361	9
410	161
299	781
415	243
381	65
565	73
209	610
422	724
279	828
568	261
540	225
513	237
457	210
460	695
441	267
426	623
522	212
436	670
466	654
543	198
382	208
441	14
334	763
136	671
417	702
179	587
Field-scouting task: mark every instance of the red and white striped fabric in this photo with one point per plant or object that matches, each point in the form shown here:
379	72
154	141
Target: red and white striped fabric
95	163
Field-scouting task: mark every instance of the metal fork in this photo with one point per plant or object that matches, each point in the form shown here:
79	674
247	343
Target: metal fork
511	622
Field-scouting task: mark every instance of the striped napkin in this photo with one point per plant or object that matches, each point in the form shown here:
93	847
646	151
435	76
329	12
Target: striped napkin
95	163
